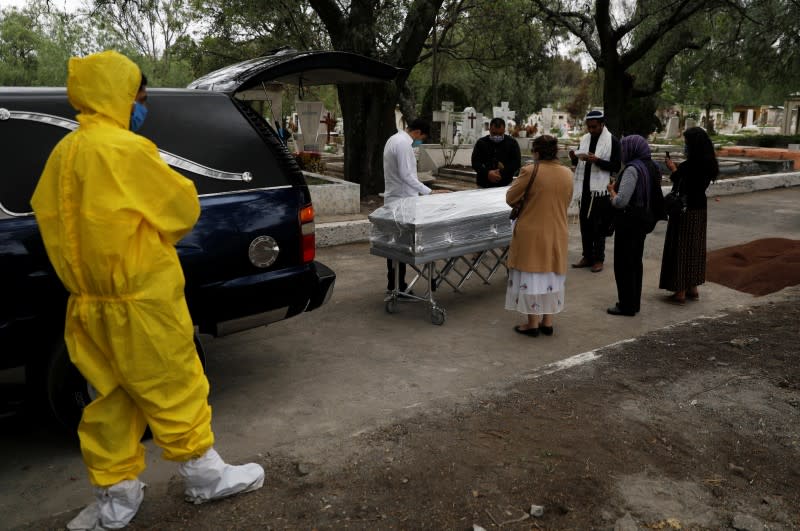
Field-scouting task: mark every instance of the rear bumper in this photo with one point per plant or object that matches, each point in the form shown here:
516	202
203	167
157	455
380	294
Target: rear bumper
256	300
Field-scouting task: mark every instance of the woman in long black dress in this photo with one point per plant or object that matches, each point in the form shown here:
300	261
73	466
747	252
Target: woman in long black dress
683	265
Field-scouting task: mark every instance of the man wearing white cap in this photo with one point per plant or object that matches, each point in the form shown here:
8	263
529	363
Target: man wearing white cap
598	158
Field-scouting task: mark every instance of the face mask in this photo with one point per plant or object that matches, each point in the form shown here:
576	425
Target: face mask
416	143
685	150
138	116
496	138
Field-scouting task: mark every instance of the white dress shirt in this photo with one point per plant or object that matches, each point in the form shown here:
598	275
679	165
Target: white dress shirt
400	169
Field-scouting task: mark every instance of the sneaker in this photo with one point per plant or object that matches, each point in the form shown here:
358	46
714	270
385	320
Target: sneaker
210	478
113	508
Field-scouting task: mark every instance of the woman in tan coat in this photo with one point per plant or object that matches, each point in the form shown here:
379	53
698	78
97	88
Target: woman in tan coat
537	260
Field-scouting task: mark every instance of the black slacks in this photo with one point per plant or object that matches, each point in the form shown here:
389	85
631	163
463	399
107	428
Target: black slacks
390	275
628	268
592	237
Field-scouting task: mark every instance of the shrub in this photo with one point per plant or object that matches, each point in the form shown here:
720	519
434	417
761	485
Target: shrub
776	141
310	161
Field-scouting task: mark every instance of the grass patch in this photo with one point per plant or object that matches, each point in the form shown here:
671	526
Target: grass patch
315	180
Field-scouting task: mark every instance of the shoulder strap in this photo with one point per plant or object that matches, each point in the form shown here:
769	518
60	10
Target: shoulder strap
533	176
527	188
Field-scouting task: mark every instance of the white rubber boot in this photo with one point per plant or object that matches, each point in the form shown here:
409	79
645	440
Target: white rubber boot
209	478
114	507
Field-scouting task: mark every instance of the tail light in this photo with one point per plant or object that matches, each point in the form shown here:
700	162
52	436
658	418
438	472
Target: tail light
309	243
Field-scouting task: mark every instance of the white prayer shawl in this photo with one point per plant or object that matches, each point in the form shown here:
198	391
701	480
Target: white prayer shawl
598	178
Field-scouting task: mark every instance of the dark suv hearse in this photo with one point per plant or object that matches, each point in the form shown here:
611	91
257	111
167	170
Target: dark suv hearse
249	261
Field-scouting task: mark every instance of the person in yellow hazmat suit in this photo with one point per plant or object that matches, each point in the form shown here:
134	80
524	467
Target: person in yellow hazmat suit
110	212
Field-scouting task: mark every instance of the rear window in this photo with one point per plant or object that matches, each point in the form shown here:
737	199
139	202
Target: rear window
207	128
202	128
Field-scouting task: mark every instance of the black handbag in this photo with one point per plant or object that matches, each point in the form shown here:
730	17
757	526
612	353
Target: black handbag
516	210
676	203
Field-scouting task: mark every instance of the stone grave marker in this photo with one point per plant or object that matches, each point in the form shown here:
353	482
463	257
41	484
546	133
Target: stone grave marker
309	114
471	125
673	124
547	120
445	118
504	112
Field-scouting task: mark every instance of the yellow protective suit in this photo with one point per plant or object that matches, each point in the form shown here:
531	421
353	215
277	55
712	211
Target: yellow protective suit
110	212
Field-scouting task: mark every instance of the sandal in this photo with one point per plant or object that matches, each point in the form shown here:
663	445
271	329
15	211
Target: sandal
546	330
674	299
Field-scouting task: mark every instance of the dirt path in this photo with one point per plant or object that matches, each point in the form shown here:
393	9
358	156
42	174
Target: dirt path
692	427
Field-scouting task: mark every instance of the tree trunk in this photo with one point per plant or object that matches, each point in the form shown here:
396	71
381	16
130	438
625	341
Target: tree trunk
369	108
614	100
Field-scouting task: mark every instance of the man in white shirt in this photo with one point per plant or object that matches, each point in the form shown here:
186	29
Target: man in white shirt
400	177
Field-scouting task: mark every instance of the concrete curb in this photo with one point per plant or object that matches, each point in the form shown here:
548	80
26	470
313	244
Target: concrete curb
342	232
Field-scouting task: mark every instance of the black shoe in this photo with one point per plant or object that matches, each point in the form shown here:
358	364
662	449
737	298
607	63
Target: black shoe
533	332
616	310
546	330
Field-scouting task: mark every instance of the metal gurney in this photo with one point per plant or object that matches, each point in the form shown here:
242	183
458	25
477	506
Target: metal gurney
445	238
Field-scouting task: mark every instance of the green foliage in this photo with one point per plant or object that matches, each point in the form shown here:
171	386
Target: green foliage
493	52
310	161
446	92
37	42
20	40
768	141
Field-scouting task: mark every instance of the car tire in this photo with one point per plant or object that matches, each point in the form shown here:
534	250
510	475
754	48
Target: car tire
66	392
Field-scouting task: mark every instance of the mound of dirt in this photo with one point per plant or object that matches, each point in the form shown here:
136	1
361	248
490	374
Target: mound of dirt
759	267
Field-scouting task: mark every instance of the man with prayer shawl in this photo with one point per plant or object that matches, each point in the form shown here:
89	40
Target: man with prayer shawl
596	161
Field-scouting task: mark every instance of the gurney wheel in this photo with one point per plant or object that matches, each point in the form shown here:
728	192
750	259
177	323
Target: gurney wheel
438	315
391	306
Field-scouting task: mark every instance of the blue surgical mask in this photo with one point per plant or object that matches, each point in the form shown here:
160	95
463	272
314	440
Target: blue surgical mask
496	138
416	143
138	116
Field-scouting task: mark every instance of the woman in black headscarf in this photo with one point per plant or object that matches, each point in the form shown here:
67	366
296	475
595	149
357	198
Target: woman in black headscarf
683	264
637	196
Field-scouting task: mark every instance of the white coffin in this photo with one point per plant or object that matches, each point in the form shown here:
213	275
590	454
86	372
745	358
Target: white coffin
418	230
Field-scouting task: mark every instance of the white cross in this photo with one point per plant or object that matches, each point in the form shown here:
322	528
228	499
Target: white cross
504	112
444	117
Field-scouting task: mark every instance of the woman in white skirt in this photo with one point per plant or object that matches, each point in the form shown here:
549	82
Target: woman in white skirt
537	259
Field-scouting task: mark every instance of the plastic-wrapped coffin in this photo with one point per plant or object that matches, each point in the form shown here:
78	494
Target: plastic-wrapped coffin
418	230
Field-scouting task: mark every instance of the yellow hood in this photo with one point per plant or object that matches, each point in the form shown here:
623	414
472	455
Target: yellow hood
104	83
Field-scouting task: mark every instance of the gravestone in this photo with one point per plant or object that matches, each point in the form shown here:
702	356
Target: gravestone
309	114
547	120
445	118
503	112
328	123
749	120
672	127
690	122
471	125
399	121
